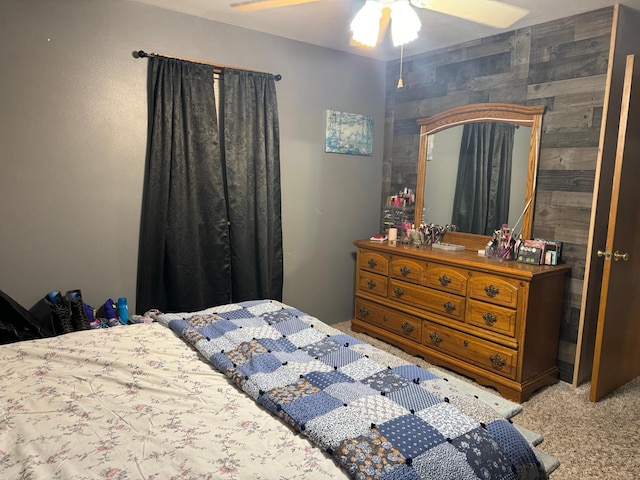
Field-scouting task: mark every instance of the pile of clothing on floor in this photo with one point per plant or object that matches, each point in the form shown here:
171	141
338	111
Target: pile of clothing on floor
57	314
69	313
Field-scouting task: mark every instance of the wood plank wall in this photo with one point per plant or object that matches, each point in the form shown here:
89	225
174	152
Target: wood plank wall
560	64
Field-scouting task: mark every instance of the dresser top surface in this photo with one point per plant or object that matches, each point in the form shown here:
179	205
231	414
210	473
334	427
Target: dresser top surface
469	258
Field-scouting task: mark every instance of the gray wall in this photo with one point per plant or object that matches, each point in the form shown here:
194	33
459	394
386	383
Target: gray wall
73	126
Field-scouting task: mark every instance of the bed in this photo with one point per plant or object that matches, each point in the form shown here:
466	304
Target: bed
253	390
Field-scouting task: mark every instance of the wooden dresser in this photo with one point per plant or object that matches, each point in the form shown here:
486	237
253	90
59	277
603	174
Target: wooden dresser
496	322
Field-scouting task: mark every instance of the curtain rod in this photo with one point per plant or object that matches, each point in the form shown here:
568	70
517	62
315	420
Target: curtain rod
216	68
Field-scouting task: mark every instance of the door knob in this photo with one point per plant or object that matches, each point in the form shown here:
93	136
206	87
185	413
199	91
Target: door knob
606	255
620	256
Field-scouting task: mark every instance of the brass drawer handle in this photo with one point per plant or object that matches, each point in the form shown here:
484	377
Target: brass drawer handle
444	280
372	284
407	328
398	292
497	361
489	318
372	263
435	338
364	312
449	307
405	271
491	291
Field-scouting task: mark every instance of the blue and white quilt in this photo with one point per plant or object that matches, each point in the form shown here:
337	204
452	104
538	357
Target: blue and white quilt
376	415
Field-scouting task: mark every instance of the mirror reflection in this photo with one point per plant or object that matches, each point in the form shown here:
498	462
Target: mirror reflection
477	166
476	176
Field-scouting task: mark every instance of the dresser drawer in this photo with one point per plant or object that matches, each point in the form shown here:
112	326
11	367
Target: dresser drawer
491	317
372	283
389	319
446	304
448	279
373	261
489	288
406	269
484	354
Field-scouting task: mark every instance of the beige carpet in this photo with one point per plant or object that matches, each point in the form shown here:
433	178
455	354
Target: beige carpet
591	440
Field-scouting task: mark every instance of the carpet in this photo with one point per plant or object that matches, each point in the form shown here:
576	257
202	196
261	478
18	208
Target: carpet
504	407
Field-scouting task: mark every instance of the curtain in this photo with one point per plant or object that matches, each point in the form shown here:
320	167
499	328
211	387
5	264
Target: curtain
483	184
252	162
184	253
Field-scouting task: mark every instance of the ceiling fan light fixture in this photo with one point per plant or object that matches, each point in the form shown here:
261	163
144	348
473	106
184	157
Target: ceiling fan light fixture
366	24
405	23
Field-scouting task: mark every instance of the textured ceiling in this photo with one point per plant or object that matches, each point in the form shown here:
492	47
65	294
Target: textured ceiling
326	22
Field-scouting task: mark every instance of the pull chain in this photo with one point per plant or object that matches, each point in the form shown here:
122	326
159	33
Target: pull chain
400	83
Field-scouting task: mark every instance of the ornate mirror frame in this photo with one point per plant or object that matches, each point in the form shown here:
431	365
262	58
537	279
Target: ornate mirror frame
530	116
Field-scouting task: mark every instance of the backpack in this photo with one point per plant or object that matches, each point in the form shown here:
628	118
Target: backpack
18	324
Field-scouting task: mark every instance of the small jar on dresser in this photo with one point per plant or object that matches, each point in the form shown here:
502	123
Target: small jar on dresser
497	322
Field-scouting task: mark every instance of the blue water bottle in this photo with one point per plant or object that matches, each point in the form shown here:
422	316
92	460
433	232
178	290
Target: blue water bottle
123	310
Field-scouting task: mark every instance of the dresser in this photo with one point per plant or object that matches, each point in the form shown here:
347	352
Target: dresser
497	322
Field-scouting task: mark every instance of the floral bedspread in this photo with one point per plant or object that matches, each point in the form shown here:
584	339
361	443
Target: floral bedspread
136	402
375	415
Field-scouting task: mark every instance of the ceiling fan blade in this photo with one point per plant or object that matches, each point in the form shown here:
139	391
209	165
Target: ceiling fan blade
265	4
384	24
487	12
385	20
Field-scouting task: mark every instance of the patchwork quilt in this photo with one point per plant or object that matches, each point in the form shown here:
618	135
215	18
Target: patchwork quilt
376	415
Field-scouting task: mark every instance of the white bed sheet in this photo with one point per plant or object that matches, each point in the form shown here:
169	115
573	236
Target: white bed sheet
137	402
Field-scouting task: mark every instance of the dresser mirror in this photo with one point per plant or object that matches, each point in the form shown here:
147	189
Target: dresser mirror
455	187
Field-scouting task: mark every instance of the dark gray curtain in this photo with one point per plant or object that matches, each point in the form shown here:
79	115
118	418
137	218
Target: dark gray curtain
252	159
184	254
483	185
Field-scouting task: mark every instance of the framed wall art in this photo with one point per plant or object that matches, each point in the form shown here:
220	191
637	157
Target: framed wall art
348	133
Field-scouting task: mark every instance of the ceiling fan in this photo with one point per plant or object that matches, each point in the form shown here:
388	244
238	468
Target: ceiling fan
492	13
